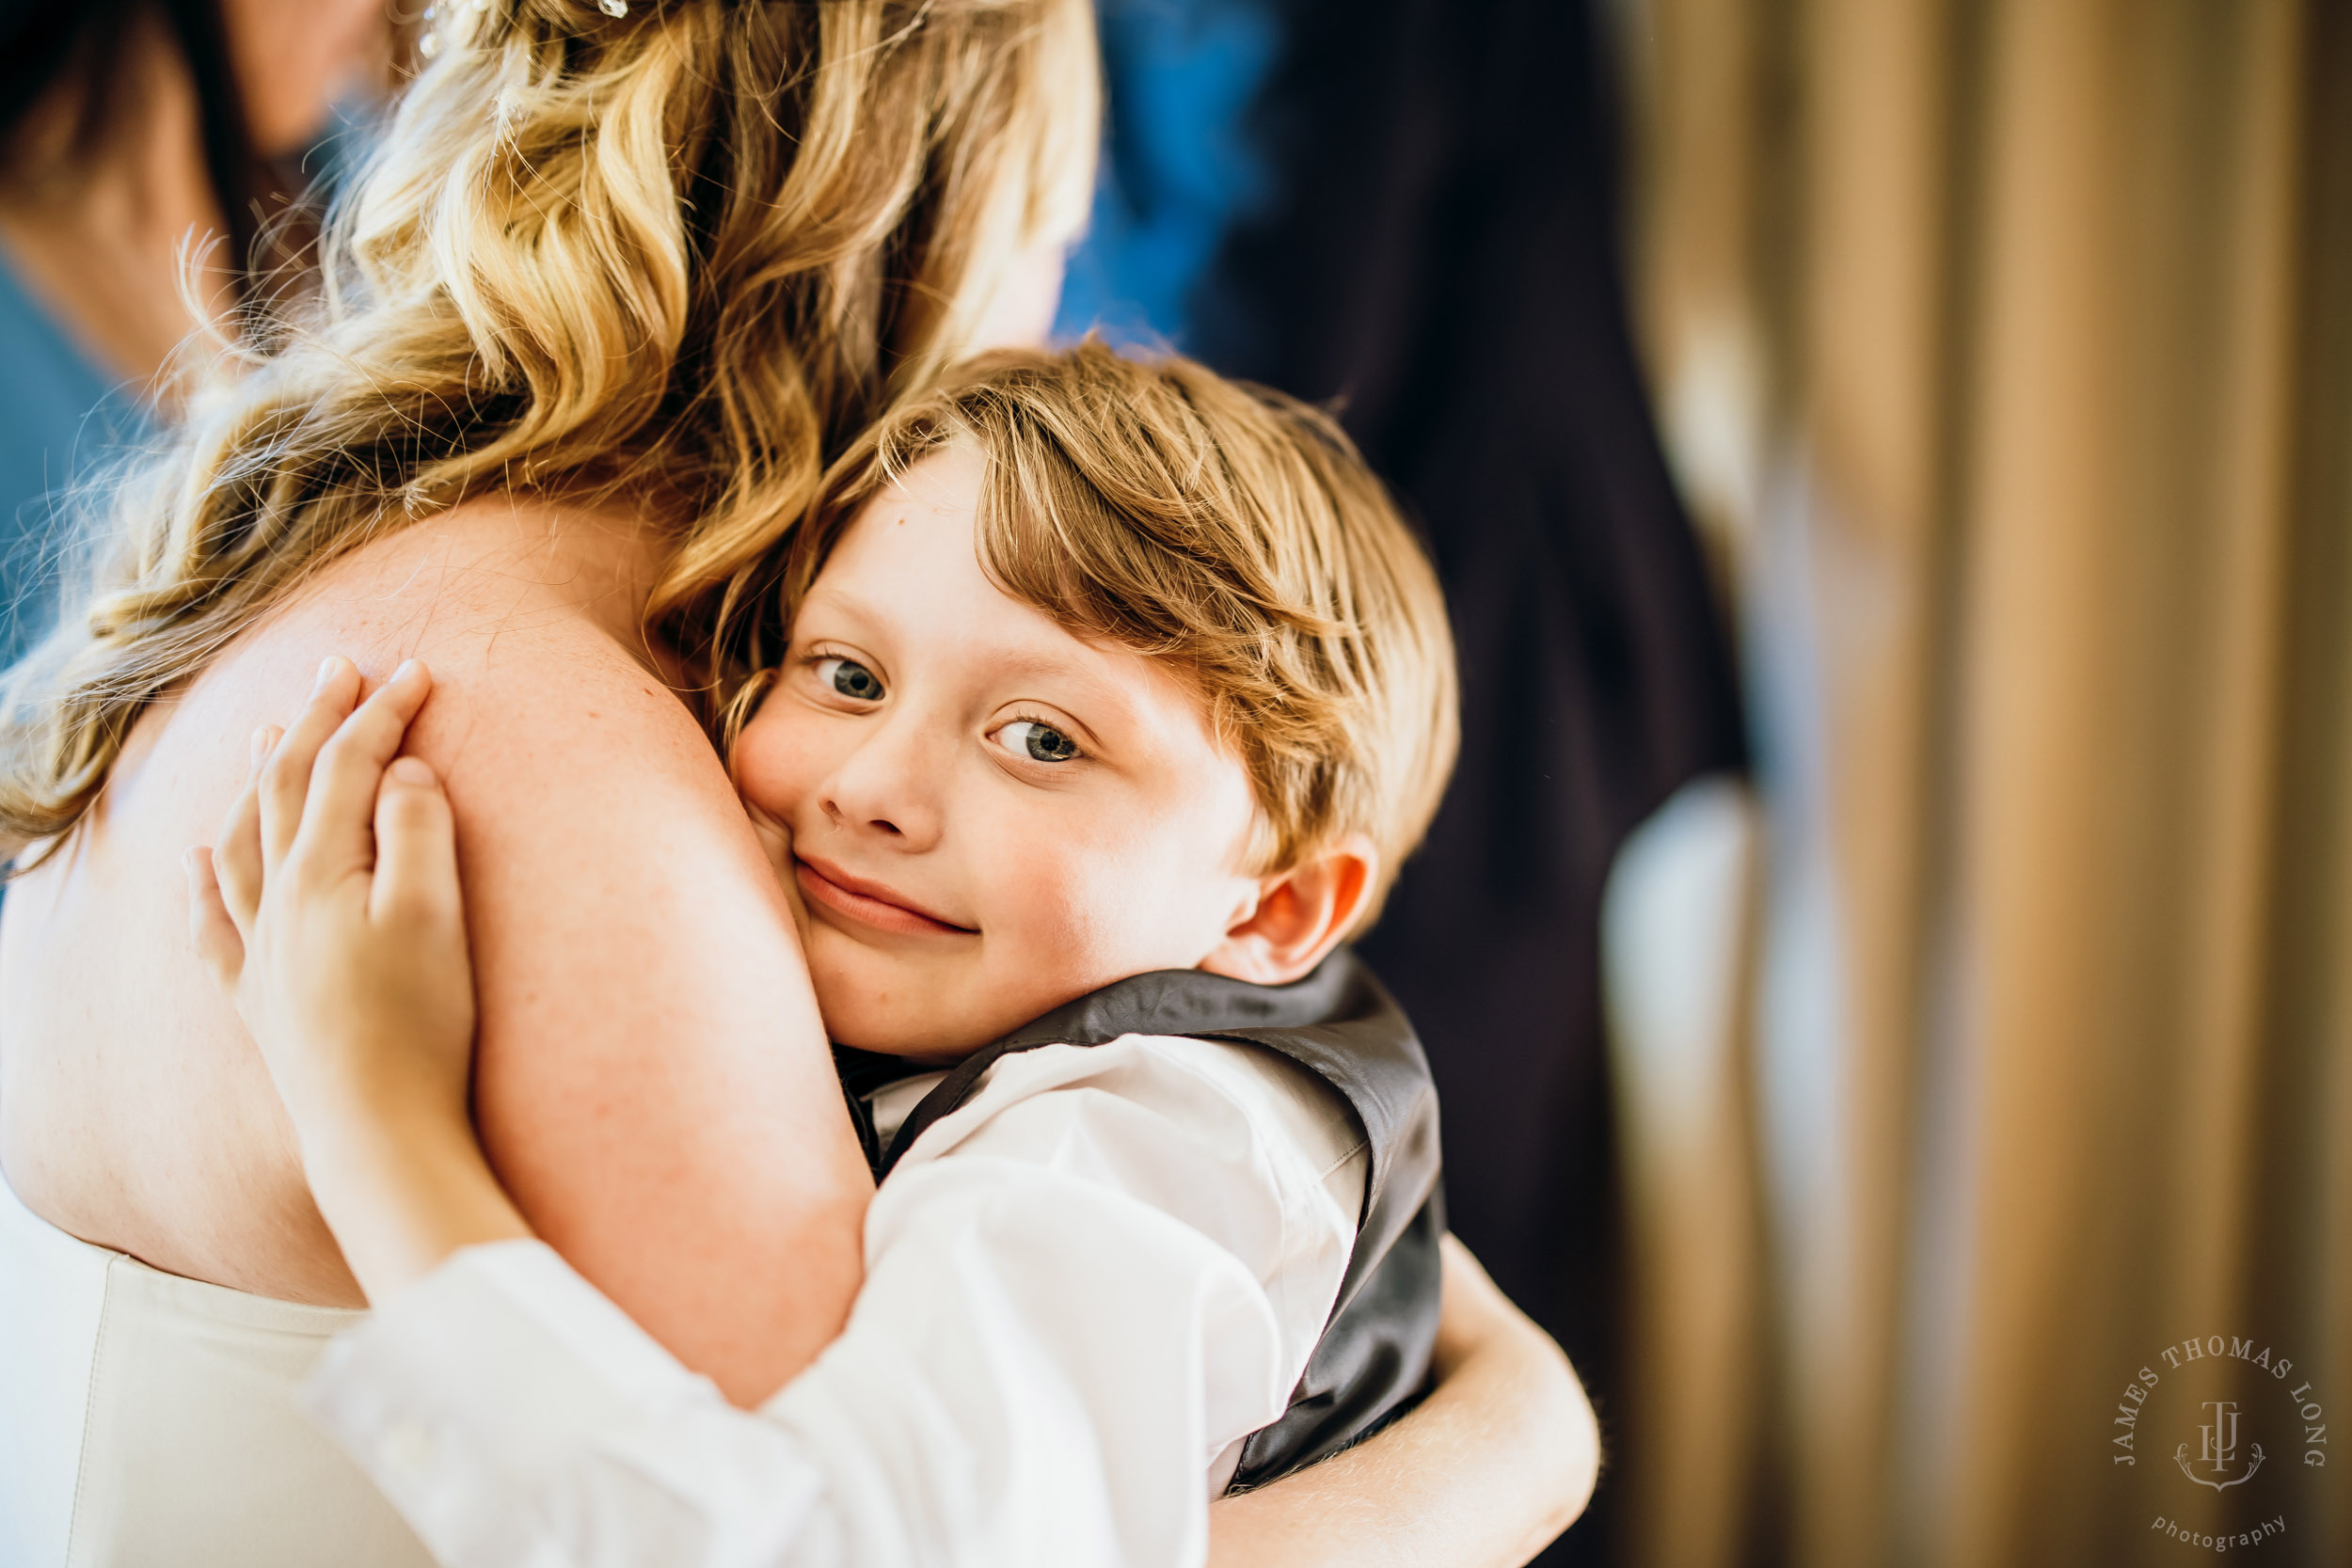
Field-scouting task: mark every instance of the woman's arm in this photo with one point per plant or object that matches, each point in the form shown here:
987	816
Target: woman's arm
1497	1462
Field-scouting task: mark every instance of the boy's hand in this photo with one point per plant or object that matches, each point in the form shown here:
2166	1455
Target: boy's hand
330	912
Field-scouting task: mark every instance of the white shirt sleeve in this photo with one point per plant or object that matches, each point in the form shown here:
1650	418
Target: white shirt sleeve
1083	1290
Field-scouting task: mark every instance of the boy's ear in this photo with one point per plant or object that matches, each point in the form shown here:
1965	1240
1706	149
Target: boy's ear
1299	915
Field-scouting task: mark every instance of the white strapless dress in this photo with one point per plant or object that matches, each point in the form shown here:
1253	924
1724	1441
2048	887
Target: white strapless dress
148	1421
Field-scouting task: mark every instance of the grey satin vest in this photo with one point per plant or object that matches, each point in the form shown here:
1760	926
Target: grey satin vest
1340	1025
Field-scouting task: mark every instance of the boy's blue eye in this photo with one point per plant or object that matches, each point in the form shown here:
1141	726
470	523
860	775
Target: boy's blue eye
1040	742
850	679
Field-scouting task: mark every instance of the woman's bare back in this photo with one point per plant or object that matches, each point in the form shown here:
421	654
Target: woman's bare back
653	1083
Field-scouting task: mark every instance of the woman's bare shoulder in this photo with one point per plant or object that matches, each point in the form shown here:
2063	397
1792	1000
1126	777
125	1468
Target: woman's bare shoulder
496	577
137	1114
528	613
653	1080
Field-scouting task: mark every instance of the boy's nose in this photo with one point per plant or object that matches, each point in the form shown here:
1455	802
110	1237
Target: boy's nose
886	787
849	817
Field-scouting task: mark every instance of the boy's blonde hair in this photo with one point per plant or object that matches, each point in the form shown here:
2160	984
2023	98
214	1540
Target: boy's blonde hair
680	256
1225	528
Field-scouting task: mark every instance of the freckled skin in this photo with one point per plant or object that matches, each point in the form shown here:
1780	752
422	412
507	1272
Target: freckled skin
949	885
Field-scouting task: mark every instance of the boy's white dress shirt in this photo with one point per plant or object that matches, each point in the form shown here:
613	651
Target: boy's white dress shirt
1083	1289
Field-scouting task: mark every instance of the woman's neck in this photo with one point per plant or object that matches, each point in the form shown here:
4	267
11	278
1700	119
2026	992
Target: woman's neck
101	242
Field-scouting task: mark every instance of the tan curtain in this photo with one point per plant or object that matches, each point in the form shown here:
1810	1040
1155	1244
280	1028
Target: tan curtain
2005	351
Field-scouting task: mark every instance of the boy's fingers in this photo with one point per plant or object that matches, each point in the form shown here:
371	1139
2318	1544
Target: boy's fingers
235	858
286	777
350	768
211	932
416	849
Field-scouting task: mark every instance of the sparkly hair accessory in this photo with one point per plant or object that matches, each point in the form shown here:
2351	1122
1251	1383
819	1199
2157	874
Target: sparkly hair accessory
429	41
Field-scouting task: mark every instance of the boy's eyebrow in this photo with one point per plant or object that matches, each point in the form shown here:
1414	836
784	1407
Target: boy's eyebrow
821	593
1093	689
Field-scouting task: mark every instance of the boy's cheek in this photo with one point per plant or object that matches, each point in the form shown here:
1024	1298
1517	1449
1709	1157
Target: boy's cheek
775	758
1070	923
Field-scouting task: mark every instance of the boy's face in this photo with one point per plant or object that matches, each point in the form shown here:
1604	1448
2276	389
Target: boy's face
979	815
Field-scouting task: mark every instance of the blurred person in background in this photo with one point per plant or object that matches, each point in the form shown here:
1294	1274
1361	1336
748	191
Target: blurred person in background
1408	206
138	135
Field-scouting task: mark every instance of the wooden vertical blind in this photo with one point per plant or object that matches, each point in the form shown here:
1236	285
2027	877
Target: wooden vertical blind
2005	348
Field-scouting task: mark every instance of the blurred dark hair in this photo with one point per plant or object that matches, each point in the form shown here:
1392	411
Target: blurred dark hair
80	48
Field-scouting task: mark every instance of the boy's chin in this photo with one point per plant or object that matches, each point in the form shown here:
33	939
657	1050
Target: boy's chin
914	1048
883	1003
854	1020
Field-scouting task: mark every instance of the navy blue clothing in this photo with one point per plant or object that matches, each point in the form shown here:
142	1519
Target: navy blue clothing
1426	235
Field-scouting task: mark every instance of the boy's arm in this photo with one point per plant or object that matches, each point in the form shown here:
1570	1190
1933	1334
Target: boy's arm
1038	1371
1080	1289
1499	1459
330	912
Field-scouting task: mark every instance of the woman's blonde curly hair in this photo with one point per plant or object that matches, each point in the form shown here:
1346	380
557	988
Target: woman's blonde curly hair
684	255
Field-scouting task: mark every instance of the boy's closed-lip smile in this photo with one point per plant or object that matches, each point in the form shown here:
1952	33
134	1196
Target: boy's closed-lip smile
868	903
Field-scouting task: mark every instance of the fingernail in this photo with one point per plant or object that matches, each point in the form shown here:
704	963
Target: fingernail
260	744
411	770
326	668
407	667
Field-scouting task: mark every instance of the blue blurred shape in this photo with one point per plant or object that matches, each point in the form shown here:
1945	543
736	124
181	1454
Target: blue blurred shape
1177	170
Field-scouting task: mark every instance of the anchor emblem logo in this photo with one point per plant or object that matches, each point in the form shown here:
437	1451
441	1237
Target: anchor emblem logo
2221	1449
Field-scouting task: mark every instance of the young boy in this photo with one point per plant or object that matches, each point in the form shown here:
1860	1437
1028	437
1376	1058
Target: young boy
1109	697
